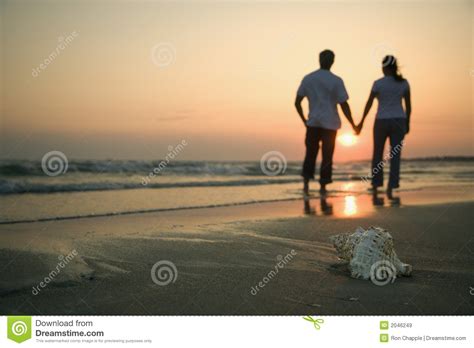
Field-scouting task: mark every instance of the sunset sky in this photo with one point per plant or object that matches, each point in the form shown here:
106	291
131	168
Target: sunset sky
229	82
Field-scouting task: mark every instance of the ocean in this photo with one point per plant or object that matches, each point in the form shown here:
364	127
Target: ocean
31	192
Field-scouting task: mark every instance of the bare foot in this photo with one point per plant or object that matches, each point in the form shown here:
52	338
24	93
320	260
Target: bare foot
389	193
323	190
306	187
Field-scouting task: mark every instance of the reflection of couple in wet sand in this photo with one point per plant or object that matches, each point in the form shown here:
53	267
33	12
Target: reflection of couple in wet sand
324	91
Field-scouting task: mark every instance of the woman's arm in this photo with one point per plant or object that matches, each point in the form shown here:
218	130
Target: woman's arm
367	108
407	98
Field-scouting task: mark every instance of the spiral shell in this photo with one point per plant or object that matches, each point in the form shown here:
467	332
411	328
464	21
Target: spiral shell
371	255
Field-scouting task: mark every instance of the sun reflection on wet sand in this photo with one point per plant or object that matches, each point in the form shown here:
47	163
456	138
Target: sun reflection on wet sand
350	205
347	206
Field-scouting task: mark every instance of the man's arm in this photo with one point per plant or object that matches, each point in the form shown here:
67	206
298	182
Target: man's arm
299	108
407	98
347	112
341	97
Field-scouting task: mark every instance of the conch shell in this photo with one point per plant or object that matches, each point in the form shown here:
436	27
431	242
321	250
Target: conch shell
365	250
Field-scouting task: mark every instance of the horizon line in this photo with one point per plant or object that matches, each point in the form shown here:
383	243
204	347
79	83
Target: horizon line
424	158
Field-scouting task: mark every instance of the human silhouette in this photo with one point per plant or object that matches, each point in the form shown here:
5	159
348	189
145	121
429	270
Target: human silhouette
324	91
391	121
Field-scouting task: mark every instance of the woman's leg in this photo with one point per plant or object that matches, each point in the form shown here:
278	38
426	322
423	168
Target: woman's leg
379	137
397	133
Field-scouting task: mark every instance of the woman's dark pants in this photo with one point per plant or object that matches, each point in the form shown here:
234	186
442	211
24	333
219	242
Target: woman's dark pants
394	129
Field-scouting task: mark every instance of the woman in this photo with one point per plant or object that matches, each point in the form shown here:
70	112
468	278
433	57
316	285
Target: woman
391	122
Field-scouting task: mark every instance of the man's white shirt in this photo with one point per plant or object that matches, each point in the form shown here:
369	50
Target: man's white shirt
324	91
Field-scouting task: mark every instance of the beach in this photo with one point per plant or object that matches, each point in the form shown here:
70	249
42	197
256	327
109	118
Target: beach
236	173
222	254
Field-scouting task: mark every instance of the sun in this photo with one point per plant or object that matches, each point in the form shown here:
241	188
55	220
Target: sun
347	139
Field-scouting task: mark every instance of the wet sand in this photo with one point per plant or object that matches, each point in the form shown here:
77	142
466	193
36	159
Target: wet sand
221	255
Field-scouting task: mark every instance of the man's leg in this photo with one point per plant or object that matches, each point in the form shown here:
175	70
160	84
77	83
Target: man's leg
397	133
312	147
328	137
380	135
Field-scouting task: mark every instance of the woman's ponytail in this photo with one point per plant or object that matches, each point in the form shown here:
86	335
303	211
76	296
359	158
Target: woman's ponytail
390	63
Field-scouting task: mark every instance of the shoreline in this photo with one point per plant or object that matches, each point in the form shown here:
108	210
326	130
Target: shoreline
437	194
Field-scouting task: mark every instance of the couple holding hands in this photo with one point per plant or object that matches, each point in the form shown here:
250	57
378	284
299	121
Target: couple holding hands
324	91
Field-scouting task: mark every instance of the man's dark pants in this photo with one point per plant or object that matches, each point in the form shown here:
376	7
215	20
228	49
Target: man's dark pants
327	138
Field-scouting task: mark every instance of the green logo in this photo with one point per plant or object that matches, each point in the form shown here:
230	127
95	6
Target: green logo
384	325
19	328
316	322
384	338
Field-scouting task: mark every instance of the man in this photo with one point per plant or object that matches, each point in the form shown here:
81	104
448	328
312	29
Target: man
324	91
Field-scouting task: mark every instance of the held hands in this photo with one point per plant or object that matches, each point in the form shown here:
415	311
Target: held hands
358	128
